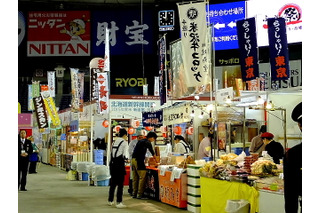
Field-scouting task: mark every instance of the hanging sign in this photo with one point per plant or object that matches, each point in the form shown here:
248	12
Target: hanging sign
162	69
51	83
247	39
51	108
81	90
40	111
278	48
59	33
152	118
176	114
103	92
75	102
96	65
193	27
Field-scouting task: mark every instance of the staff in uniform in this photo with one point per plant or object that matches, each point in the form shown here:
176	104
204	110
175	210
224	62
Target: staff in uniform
180	145
24	152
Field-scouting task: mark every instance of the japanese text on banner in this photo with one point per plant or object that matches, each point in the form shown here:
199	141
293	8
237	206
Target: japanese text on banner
278	47
247	39
193	29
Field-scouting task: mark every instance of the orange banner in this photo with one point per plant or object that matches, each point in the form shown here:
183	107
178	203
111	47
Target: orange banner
173	192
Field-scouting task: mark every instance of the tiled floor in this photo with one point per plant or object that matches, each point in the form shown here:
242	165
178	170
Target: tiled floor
50	191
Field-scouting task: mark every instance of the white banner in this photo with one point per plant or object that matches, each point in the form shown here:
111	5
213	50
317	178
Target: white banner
102	79
193	28
177	114
75	103
107	53
51	83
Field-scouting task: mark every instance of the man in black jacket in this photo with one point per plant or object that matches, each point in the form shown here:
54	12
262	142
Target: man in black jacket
24	151
292	169
138	167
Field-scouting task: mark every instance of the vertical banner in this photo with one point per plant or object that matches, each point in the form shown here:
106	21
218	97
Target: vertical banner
103	92
30	104
75	102
247	38
278	48
96	66
156	86
51	83
106	67
162	69
40	111
35	88
193	27
51	108
81	90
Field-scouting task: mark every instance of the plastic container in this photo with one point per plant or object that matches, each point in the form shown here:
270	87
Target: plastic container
238	206
85	176
103	182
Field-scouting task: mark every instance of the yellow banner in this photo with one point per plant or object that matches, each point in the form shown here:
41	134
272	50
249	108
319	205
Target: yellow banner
51	108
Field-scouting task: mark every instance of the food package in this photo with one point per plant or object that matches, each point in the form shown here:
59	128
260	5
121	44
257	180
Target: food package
263	167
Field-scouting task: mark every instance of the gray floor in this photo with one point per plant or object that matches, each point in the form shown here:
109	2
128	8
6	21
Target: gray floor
50	191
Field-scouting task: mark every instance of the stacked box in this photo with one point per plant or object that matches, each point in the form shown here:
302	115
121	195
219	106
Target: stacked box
194	190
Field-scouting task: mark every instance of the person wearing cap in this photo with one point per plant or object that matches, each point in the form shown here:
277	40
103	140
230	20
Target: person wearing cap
132	145
138	166
257	145
292	169
274	149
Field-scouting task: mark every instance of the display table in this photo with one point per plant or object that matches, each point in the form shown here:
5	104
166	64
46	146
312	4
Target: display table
152	184
215	193
173	192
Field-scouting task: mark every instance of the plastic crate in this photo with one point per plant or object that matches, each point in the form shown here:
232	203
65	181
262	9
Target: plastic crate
85	176
103	182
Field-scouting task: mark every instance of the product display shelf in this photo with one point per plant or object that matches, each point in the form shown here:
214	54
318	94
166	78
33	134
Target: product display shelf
194	190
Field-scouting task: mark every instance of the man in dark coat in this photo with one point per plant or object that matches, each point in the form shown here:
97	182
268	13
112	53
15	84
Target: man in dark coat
292	170
24	152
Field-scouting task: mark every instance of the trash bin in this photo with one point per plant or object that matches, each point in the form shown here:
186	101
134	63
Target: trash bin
238	206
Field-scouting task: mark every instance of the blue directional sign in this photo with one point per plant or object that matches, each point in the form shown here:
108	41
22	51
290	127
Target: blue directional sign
223	18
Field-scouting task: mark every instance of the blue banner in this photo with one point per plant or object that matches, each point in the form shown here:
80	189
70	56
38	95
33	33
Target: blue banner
152	118
127	34
247	38
278	48
162	69
223	17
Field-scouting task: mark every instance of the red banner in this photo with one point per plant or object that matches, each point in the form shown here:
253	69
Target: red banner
58	33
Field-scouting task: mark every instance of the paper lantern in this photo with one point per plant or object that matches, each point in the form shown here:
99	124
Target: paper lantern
135	123
149	128
131	130
105	123
163	129
177	130
117	128
190	130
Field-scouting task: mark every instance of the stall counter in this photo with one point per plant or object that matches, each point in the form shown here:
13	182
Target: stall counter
215	193
173	192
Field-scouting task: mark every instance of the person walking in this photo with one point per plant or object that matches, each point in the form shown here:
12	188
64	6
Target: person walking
119	154
33	157
138	165
24	152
